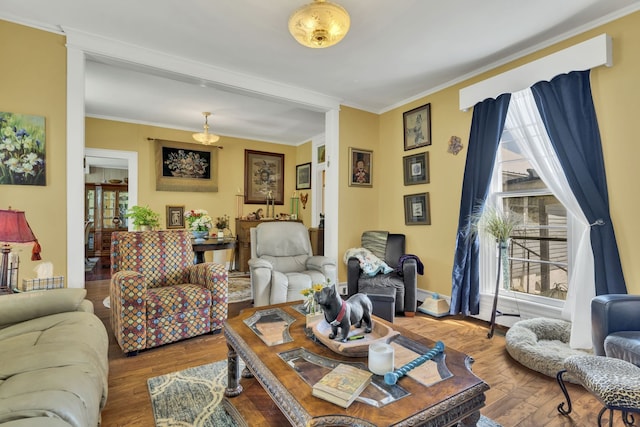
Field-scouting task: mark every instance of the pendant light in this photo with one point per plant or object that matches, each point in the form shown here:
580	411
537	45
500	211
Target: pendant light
319	24
205	137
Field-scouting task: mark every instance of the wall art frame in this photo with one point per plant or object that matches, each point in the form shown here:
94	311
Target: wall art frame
175	217
303	176
416	169
360	167
182	166
416	125
417	209
24	155
263	177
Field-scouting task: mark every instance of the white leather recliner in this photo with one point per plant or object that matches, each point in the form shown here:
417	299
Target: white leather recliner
282	263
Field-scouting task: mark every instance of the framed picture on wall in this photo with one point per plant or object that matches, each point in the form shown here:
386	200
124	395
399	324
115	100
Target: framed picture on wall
417	127
416	169
360	167
416	209
175	217
186	167
263	177
303	176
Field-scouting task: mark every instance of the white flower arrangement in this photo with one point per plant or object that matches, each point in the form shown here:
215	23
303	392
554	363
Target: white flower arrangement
198	220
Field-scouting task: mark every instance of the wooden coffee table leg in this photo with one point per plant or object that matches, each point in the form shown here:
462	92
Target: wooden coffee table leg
233	372
470	421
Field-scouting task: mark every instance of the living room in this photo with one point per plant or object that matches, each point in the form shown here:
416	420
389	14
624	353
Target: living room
25	91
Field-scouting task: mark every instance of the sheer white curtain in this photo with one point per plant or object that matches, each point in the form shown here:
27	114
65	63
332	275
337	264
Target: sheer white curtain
524	122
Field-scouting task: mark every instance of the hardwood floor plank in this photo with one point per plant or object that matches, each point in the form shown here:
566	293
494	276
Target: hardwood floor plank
519	397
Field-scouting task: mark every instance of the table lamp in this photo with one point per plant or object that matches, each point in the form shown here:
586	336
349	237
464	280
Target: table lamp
14	228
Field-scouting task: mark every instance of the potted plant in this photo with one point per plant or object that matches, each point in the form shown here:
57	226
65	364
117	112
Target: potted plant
199	223
143	217
222	223
499	225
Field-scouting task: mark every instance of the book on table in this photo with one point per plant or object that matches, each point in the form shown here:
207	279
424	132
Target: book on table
342	385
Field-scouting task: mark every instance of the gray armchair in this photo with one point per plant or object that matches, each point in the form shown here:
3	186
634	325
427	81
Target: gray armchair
615	326
402	283
282	263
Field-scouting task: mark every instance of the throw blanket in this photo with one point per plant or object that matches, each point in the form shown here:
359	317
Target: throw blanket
376	242
403	258
369	263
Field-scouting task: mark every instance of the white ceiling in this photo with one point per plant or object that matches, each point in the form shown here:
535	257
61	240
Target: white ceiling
395	52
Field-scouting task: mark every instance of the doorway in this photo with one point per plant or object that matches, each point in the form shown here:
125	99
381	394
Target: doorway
110	189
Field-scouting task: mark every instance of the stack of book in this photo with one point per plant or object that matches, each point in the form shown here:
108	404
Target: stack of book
342	385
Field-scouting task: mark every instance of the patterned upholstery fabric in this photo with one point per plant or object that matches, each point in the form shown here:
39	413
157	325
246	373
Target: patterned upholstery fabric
157	295
615	382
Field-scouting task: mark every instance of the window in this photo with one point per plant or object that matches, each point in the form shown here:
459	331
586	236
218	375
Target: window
538	254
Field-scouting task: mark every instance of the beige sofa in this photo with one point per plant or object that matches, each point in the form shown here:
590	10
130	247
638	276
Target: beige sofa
53	360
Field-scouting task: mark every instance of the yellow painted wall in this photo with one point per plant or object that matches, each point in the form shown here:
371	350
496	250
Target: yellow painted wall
616	93
34	83
115	135
303	155
358	207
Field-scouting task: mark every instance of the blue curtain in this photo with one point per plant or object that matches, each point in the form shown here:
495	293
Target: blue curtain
567	110
486	129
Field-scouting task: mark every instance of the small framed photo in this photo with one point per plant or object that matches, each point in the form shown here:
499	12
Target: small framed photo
416	169
360	167
175	217
417	127
303	176
416	209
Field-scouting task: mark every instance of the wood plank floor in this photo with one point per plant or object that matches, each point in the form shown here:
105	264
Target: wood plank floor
518	396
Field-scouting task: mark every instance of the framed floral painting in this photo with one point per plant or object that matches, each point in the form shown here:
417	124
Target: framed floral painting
186	167
22	149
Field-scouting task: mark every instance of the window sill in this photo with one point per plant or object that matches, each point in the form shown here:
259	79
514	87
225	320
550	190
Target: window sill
527	309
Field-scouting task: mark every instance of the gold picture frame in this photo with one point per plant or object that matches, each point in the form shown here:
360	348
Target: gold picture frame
360	167
182	166
175	217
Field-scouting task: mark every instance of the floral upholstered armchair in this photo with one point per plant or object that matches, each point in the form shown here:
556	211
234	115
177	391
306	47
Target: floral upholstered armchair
158	295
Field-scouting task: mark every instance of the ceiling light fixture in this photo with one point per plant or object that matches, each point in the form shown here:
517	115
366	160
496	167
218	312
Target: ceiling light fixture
319	24
205	137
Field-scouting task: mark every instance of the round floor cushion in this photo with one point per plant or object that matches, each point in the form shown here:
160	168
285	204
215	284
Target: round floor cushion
542	344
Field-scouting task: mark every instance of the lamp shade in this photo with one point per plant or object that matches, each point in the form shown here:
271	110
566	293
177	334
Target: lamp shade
205	137
319	24
14	228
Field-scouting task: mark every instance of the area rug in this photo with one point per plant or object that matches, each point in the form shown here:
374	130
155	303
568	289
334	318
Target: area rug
239	287
191	398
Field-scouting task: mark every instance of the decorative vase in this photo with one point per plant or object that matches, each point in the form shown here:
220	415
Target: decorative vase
200	236
313	318
220	234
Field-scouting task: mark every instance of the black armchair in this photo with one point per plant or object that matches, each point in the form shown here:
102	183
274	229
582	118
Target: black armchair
615	326
402	283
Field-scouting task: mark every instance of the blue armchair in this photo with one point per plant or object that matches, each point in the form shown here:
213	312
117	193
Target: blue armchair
615	326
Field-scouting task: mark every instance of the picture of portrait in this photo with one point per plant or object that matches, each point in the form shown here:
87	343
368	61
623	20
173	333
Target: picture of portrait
264	177
360	167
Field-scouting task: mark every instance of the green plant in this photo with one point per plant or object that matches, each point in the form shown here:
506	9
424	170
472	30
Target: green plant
495	223
143	215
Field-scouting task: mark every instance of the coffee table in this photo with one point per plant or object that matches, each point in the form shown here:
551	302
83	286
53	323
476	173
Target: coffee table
272	356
